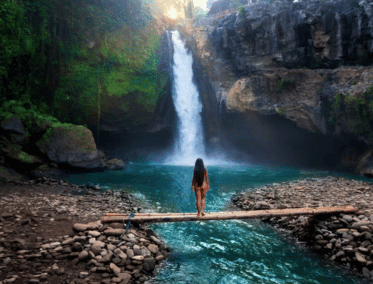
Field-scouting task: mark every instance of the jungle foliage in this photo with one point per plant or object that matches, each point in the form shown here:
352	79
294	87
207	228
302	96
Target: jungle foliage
66	57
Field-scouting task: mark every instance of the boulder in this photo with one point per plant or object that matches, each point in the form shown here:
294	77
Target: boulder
72	145
115	164
15	130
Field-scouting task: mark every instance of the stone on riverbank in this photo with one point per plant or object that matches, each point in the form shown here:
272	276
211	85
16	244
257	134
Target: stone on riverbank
73	145
53	250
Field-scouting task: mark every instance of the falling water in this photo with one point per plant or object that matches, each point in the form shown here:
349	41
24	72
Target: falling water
189	143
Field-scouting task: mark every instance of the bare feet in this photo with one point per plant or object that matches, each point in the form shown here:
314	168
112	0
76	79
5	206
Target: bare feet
198	215
203	213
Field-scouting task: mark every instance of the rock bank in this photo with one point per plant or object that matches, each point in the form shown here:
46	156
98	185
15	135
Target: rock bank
346	239
48	234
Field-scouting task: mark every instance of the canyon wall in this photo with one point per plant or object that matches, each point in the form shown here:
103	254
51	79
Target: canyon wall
301	69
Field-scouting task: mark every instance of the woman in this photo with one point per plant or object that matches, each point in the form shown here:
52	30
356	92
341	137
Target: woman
200	185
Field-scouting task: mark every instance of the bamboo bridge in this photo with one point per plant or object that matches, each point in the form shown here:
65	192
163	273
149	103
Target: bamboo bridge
229	215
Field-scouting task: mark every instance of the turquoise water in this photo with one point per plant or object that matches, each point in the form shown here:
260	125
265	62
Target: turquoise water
221	251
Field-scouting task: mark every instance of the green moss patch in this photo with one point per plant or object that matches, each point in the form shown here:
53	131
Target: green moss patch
25	158
358	110
33	120
70	136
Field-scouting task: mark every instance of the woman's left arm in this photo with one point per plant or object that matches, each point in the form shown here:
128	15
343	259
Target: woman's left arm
193	183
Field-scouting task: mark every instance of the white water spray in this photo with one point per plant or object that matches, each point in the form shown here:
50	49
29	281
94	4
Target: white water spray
189	144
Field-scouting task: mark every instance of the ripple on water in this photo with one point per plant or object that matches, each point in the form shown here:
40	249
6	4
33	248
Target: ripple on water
221	251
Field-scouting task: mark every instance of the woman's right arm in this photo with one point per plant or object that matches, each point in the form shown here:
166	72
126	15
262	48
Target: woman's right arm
193	183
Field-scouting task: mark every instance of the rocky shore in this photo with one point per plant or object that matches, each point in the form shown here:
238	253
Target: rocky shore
345	239
51	234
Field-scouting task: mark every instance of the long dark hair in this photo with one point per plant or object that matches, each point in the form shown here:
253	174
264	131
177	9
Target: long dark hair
198	173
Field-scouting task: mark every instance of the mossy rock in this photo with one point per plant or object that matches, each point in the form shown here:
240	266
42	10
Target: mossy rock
33	122
72	145
21	158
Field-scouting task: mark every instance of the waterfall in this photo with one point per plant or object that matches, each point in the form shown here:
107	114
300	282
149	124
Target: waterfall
189	144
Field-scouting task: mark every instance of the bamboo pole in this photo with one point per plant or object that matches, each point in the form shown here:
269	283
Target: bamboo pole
180	217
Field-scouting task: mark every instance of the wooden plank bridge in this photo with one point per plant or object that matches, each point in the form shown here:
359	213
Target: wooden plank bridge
180	217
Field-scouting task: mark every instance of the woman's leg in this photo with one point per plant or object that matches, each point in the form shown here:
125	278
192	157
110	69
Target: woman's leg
203	202
198	201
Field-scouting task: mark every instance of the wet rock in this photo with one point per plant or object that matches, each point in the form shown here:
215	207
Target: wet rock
154	239
149	264
115	164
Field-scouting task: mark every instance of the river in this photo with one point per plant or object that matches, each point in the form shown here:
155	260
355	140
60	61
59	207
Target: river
221	251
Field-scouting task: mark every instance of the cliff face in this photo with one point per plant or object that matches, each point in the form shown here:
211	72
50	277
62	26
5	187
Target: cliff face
284	61
132	112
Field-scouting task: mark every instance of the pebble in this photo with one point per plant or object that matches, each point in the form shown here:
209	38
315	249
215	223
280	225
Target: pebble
125	277
83	255
83	274
129	253
94	233
114	232
56	244
51	255
115	268
96	249
154	239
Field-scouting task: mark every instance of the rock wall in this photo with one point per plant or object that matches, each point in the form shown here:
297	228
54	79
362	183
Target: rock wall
115	119
120	137
285	61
